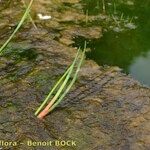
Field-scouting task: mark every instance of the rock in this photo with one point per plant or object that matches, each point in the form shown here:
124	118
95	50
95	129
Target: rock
70	33
105	109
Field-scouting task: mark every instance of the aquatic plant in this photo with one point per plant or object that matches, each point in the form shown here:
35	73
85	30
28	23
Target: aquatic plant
58	96
104	7
32	21
107	15
18	26
67	73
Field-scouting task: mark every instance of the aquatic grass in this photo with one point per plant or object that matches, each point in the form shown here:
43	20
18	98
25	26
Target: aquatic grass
115	9
131	20
67	73
58	98
121	17
18	27
51	92
71	83
45	111
104	6
32	21
115	20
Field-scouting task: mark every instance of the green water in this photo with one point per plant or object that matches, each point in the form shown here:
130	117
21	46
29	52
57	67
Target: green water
128	48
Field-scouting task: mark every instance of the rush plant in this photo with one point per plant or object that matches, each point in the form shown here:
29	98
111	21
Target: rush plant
50	102
18	27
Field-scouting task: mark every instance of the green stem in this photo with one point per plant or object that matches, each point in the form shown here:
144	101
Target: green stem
32	21
72	82
69	71
18	27
51	92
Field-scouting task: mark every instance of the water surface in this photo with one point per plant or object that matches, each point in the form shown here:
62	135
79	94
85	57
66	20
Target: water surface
127	46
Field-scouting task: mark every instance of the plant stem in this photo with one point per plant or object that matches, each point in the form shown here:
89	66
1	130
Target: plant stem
117	22
18	27
104	7
32	21
115	12
50	107
72	82
60	89
51	92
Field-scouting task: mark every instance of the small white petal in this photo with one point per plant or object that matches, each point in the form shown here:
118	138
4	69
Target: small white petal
44	17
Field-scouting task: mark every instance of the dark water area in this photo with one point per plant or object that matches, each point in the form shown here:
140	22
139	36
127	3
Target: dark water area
126	44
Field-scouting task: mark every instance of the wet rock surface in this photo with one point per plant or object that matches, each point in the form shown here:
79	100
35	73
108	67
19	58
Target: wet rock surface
105	110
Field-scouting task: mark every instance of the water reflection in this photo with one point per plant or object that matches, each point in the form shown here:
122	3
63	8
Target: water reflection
140	68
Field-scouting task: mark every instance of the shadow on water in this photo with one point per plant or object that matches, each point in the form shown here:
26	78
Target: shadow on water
129	49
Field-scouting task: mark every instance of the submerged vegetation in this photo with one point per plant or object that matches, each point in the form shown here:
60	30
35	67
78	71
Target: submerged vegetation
125	42
108	16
